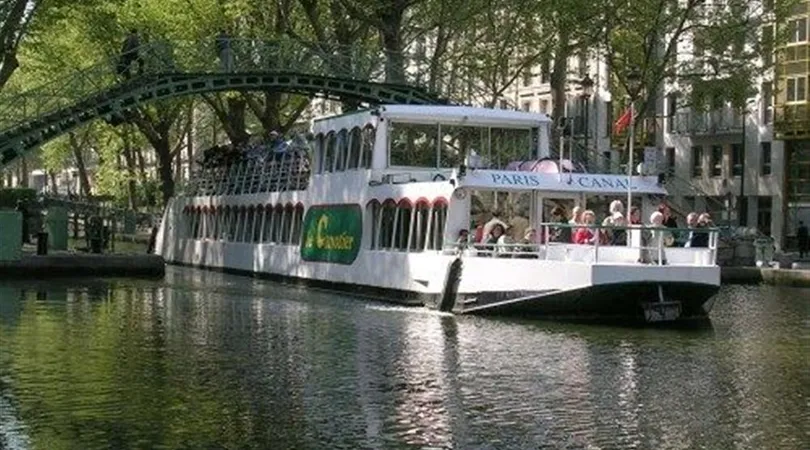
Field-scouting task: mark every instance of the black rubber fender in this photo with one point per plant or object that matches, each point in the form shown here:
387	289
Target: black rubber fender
450	292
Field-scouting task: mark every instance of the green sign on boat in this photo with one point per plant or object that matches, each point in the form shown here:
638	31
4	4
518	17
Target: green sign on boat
332	233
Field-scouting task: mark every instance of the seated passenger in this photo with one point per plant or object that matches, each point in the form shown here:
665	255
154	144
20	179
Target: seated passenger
496	240
463	239
586	234
560	233
619	235
529	244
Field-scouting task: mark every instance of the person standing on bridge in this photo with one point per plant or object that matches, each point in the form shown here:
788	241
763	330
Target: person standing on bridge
224	50
130	54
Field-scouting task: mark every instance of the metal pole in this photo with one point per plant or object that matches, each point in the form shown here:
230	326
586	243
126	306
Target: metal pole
587	130
630	159
742	199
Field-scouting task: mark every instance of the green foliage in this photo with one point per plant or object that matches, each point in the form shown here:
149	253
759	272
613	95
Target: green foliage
10	197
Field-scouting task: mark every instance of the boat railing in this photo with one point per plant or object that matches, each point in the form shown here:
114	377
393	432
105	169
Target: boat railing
273	172
641	245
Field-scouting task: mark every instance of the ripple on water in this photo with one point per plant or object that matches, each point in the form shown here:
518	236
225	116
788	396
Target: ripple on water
206	360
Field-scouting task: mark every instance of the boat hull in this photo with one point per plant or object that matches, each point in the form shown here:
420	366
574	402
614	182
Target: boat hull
651	302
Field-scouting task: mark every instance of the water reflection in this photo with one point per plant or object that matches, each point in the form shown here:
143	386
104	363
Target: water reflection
206	360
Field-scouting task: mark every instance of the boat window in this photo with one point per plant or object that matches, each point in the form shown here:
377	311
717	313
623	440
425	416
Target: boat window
373	214
278	212
318	151
510	144
355	141
510	209
286	225
438	219
227	228
298	222
194	222
458	142
387	221
403	226
329	153
367	150
267	228
417	145
413	144
256	231
419	227
341	148
241	218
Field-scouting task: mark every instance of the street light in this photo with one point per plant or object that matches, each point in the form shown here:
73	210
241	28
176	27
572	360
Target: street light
633	86
587	91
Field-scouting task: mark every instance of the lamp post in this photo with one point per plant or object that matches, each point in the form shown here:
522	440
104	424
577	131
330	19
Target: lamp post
633	84
587	91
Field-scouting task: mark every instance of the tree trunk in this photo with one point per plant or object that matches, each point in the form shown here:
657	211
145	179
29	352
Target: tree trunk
163	152
559	81
54	186
78	155
22	180
132	187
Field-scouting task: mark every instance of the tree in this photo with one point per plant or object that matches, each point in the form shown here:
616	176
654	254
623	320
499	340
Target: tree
15	21
703	50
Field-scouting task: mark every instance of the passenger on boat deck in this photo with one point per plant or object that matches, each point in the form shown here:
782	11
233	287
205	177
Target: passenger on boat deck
576	216
657	221
463	239
635	216
561	233
277	142
529	242
606	233
701	238
495	220
692	223
585	234
616	206
669	221
657	237
618	236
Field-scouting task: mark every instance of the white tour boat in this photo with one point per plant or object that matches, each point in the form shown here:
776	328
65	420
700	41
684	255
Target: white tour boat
375	205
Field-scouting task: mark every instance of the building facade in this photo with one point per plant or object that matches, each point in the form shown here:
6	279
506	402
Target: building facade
792	116
727	161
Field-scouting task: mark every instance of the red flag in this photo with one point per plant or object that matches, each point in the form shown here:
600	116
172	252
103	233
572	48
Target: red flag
623	122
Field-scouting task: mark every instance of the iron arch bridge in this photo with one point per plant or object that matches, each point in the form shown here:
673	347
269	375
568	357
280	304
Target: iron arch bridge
164	71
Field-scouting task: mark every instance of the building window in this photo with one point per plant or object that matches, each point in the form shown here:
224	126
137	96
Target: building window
767	102
765	158
697	161
737	160
672	107
503	104
796	89
526	106
544	106
527	76
717	161
609	116
764	206
798	30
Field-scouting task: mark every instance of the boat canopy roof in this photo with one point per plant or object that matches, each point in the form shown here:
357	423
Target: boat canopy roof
427	114
588	183
462	115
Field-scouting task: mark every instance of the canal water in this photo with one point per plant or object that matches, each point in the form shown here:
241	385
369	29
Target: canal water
203	360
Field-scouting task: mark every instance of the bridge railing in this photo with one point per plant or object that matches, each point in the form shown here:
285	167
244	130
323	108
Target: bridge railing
244	56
